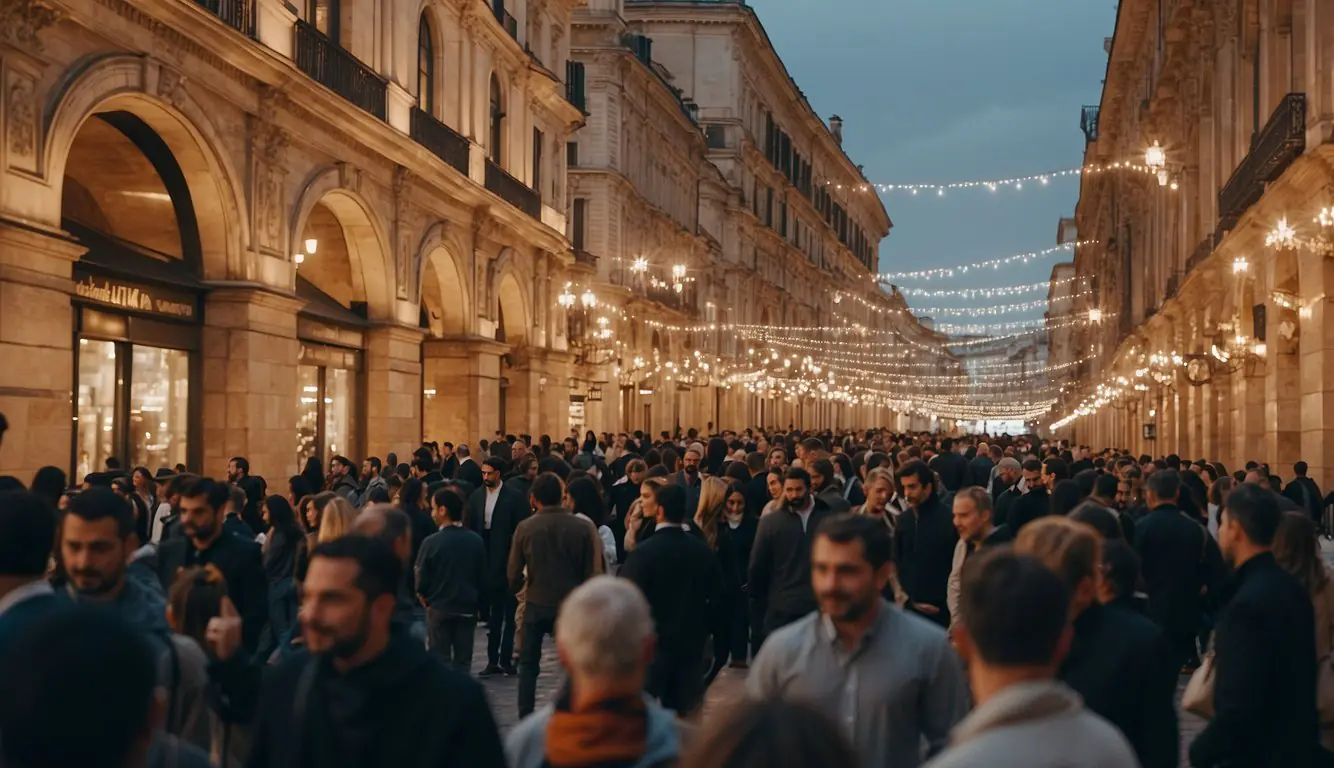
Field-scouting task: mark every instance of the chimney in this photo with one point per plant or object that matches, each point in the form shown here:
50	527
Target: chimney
836	128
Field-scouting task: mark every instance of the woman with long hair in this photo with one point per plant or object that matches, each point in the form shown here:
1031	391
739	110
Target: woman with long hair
50	483
282	548
1218	493
643	512
1297	550
298	488
853	491
337	519
715	455
712	499
584	498
314	474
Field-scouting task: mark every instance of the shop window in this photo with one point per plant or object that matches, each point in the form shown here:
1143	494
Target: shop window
96	433
159	410
133	403
326	413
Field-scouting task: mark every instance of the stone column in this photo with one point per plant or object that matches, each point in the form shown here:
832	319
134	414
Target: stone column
1315	362
461	380
1248	416
250	354
393	390
36	343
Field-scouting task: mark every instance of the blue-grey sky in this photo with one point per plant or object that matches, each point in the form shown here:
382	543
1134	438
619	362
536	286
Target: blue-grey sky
955	90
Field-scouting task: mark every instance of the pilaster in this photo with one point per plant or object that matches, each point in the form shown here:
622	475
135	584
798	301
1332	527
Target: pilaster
393	389
461	380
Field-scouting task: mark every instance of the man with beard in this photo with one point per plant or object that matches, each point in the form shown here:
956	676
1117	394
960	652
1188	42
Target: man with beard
342	481
1004	488
494	512
202	505
924	546
977	529
689	478
780	562
890	678
1035	500
362	694
370	480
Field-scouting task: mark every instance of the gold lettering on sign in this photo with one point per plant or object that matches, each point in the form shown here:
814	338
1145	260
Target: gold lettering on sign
131	297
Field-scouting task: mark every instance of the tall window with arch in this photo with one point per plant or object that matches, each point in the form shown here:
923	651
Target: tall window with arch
425	67
497	120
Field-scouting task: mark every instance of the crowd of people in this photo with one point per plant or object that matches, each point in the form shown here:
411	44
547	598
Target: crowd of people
893	600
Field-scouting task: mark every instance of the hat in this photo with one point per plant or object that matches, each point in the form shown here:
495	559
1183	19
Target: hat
163	474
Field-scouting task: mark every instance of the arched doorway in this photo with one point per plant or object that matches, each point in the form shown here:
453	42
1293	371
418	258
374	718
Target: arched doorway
342	279
127	196
452	405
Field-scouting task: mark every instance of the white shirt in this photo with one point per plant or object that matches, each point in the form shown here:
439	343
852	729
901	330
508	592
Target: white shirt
492	495
805	514
163	511
26	592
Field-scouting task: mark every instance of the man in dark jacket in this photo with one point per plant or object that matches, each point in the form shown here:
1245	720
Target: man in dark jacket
757	488
1035	501
468	471
27	529
1173	550
980	466
1265	664
826	487
451	573
682	581
363	694
924	544
494	511
205	543
558	552
1303	490
689	478
780	560
232	521
1004	489
1120	662
952	468
343	479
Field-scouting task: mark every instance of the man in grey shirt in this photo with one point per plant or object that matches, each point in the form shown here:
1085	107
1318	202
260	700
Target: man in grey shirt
887	677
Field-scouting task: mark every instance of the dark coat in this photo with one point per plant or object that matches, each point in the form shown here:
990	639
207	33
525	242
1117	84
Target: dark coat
952	468
1173	551
780	561
452	571
693	488
470	473
560	552
757	493
1265	674
1304	492
241	564
1005	502
734	547
233	524
924	551
979	471
23	616
511	509
449	466
1123	666
1027	508
834	498
401	709
683	583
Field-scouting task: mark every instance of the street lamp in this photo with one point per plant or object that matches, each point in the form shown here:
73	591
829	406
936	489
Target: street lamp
640	266
1155	158
1239	265
311	245
566	298
588	299
1095	315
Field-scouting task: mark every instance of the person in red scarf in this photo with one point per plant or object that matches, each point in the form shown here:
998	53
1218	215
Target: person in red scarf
604	636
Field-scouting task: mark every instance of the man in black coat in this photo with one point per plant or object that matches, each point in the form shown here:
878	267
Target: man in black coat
682	580
1265	664
468	471
757	488
1119	661
361	694
952	468
1035	501
1173	550
924	544
780	560
980	466
494	511
1303	490
1004	489
202	505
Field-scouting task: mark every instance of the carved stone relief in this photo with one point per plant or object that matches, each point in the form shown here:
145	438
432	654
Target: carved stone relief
404	262
22	22
21	116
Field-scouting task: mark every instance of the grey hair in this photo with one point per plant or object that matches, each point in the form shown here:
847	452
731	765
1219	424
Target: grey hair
980	498
602	628
1010	463
385	522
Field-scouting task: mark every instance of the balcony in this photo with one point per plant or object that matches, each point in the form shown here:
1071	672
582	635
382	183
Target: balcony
583	258
1273	149
338	70
512	191
575	89
237	14
443	142
1200	253
1088	123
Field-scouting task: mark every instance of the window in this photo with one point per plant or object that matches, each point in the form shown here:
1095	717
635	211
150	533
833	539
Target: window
579	223
497	120
716	136
537	161
425	68
323	15
572	154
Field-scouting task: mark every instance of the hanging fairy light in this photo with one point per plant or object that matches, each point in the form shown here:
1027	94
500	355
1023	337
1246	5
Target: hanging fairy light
1023	258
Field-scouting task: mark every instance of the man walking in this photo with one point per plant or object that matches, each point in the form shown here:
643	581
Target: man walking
552	554
451	573
973	521
682	580
1173	551
780	567
494	512
342	480
924	544
888	678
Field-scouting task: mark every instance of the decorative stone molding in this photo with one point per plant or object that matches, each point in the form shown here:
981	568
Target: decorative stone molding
21	116
349	177
171	87
407	277
23	21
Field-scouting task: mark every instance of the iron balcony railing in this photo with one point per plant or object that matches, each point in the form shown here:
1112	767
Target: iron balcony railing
1273	149
512	191
237	14
1088	122
338	70
442	140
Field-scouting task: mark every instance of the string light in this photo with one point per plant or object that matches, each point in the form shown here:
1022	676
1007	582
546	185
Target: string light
1024	258
1013	183
973	293
997	309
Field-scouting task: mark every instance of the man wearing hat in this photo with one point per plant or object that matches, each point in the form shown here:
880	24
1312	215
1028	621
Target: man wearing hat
168	493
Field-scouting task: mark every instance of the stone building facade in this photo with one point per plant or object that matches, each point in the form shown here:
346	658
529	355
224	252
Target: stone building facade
710	205
240	227
1217	261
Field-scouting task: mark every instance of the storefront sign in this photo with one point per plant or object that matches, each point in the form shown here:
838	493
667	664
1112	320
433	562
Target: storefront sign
135	298
595	395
